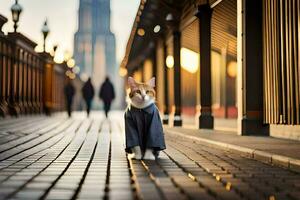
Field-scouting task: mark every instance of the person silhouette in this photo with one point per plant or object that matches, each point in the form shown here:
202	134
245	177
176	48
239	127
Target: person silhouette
69	90
88	93
107	94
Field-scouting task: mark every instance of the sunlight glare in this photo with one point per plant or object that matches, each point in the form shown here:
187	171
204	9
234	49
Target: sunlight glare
170	61
189	60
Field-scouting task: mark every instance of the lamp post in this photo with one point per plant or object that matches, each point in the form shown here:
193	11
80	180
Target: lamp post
16	10
45	31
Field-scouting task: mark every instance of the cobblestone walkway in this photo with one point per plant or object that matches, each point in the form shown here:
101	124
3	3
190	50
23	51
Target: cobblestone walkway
60	158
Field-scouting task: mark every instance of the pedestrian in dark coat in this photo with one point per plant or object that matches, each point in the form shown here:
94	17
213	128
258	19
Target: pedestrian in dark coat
69	90
107	95
88	93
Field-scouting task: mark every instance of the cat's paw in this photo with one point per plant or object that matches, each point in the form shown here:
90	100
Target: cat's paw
149	155
137	153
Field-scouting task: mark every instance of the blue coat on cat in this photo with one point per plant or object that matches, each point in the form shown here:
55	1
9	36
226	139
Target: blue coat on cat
143	128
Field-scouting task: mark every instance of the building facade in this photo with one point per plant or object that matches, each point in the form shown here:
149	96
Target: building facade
221	58
94	43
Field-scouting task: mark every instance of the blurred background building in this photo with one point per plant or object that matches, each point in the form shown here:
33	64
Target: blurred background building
95	45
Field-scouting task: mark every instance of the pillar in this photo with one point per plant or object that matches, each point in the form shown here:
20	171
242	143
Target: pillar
250	69
166	86
25	82
2	83
13	96
177	77
6	81
34	85
3	70
154	62
41	84
37	85
141	69
28	85
206	119
21	55
223	78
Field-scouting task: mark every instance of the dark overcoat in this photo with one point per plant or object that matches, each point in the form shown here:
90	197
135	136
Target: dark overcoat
143	128
107	92
88	91
69	92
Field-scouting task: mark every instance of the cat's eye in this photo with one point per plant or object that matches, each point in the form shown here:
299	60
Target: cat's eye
138	91
148	91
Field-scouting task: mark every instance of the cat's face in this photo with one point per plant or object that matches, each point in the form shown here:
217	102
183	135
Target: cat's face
141	95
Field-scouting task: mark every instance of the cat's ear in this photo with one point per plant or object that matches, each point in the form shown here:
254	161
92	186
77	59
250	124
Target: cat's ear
151	82
131	82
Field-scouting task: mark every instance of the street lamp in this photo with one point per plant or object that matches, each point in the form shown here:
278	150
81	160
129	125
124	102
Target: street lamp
71	63
45	31
16	10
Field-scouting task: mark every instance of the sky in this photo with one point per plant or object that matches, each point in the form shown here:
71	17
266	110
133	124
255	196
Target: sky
62	21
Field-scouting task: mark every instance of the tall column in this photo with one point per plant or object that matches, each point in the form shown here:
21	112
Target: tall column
48	83
250	69
3	69
37	94
34	85
206	119
154	62
41	71
166	86
25	82
28	85
7	63
141	70
13	106
21	54
223	79
37	86
3	81
177	77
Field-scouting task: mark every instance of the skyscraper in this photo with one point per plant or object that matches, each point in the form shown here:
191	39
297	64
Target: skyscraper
94	43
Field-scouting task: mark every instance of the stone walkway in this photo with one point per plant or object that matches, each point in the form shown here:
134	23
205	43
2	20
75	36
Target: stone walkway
284	152
78	158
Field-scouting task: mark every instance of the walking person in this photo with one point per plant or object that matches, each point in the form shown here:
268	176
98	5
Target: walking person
69	90
107	94
88	93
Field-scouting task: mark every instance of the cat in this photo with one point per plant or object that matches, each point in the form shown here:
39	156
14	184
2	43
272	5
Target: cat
141	95
143	128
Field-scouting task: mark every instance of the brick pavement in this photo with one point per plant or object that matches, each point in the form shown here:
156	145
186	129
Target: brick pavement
60	158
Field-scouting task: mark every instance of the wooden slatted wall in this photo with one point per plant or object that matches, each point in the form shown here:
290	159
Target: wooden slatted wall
224	27
281	61
190	36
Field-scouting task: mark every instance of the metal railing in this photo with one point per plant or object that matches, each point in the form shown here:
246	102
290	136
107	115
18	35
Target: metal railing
30	82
